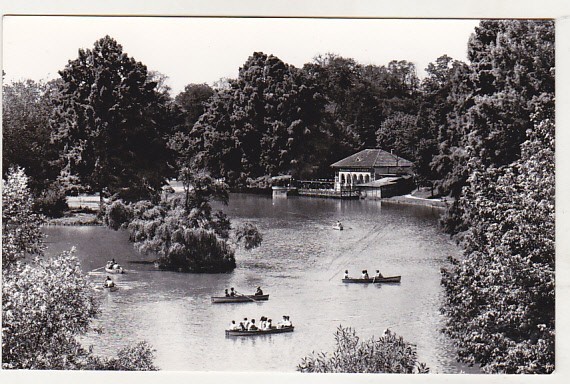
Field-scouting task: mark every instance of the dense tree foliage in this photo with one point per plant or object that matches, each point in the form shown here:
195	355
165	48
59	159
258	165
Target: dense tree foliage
277	119
500	294
21	234
46	301
112	124
26	135
387	354
264	124
192	101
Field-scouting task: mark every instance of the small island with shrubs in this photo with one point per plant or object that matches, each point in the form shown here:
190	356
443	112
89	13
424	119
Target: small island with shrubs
181	229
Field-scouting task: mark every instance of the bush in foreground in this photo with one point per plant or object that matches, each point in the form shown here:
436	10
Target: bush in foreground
387	354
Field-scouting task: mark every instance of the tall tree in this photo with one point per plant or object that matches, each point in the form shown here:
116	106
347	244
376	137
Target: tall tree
444	91
399	133
112	123
512	66
192	101
264	124
191	104
500	294
26	134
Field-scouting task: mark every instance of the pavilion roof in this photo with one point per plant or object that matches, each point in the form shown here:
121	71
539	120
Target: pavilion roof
372	158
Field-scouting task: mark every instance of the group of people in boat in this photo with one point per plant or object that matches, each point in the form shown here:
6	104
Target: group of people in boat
264	324
112	264
364	274
232	292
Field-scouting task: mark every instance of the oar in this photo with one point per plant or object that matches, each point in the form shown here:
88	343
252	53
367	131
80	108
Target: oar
241	294
96	269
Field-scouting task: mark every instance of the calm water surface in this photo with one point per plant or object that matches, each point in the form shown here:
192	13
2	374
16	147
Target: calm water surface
300	264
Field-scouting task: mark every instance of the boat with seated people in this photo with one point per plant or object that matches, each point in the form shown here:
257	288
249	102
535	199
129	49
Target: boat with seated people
257	332
385	279
239	298
338	226
117	269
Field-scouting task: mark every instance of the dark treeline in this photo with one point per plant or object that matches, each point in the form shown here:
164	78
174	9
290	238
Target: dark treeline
480	132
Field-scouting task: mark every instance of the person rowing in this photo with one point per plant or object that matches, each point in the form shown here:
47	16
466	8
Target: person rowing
232	292
346	274
258	292
109	283
227	293
378	274
365	274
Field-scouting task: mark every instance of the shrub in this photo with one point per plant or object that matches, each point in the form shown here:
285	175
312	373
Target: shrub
52	202
387	354
138	357
181	246
118	214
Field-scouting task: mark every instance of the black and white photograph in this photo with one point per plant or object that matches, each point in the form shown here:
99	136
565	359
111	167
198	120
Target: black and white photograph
258	194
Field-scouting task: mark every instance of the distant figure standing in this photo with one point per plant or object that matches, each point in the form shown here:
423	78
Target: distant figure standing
346	274
259	292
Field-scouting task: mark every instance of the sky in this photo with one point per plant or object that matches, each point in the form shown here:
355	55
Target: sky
203	50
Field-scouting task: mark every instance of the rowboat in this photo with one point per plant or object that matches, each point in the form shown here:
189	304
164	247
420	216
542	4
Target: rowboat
112	289
258	332
239	299
338	227
118	270
386	279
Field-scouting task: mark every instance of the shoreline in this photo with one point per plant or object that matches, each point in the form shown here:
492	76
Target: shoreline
91	219
438	204
75	219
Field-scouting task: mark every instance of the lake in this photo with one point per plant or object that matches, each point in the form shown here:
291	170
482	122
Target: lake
300	265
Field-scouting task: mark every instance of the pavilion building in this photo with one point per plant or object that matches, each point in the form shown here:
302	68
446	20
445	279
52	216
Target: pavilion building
371	169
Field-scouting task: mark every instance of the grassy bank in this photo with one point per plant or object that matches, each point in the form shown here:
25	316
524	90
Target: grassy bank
76	218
